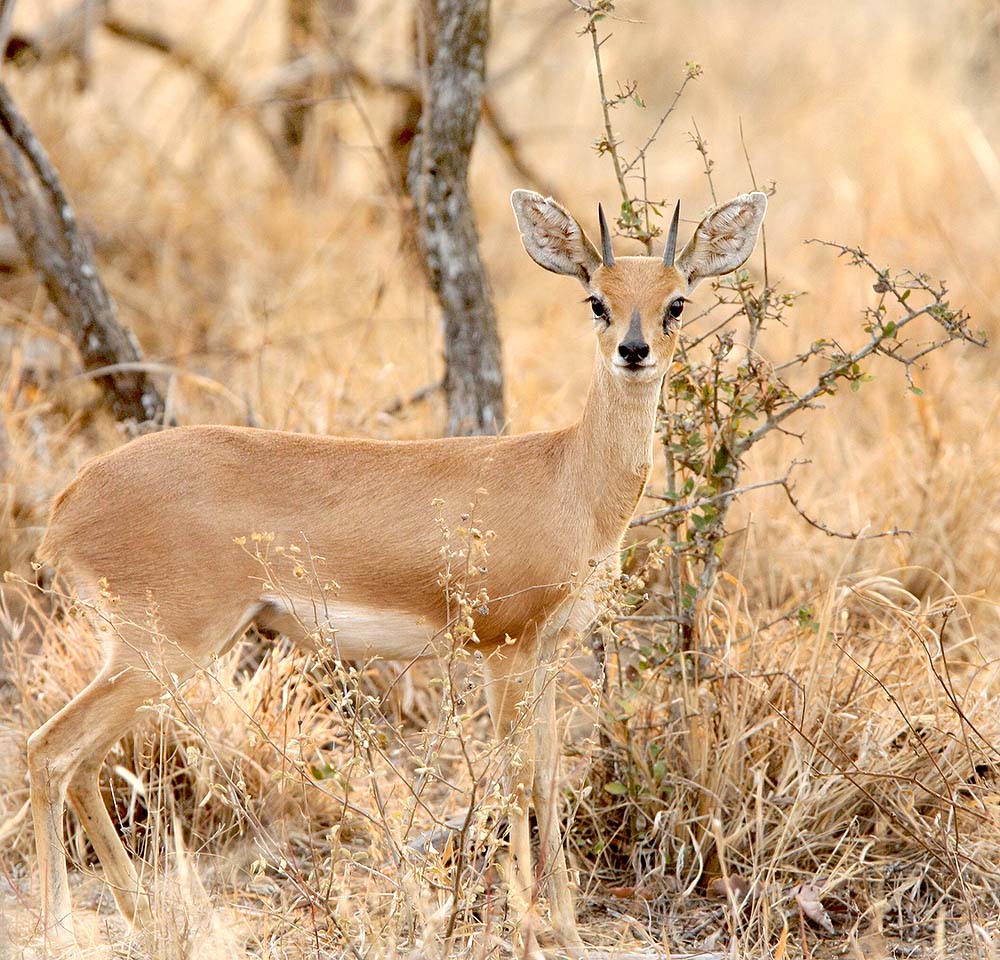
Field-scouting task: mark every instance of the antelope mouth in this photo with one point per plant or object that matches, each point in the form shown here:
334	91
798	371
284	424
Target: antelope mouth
634	371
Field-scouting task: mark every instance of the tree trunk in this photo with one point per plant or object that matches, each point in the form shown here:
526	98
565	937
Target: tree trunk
438	184
46	227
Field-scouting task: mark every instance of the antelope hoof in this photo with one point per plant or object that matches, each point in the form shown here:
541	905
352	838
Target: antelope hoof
141	917
60	943
564	942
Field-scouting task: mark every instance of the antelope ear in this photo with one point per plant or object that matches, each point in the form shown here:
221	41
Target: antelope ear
553	239
724	239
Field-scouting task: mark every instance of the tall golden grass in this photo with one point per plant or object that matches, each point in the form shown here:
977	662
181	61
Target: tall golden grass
844	757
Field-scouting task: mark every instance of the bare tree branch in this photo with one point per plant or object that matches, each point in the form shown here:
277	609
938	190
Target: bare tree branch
698	504
418	396
829	531
294	112
46	226
511	147
610	143
6	18
227	94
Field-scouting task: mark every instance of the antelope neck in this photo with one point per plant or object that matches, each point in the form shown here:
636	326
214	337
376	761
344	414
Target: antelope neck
613	448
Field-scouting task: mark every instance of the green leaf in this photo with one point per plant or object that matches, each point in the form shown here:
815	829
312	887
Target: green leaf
616	788
890	328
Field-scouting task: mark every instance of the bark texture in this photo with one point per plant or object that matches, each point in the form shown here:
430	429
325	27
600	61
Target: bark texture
46	227
438	184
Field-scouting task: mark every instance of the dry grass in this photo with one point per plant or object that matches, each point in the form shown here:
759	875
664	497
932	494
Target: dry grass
844	749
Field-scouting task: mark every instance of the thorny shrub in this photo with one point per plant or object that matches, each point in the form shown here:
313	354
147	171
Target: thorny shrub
840	749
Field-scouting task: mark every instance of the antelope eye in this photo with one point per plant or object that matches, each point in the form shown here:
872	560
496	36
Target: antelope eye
676	308
597	305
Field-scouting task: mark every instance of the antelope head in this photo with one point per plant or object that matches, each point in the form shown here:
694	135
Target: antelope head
637	302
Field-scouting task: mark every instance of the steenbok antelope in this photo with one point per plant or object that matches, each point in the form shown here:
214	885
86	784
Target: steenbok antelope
154	524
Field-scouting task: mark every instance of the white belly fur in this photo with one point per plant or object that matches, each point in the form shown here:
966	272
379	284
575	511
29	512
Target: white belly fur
358	632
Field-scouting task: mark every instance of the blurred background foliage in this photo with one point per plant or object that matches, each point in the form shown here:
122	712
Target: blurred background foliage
280	286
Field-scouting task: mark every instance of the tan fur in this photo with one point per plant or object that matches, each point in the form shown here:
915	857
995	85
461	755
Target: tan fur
158	517
158	520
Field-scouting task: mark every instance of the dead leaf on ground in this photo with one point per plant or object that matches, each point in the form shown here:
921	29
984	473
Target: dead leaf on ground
632	893
722	888
807	896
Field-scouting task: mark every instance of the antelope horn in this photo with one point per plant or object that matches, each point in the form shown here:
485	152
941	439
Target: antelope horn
671	247
607	255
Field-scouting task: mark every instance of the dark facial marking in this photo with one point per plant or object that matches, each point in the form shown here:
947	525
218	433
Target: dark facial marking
633	349
634	328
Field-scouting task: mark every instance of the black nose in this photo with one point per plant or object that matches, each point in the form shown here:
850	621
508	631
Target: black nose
633	351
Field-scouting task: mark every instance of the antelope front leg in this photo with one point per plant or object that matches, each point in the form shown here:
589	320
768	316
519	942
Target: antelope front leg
508	676
546	797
